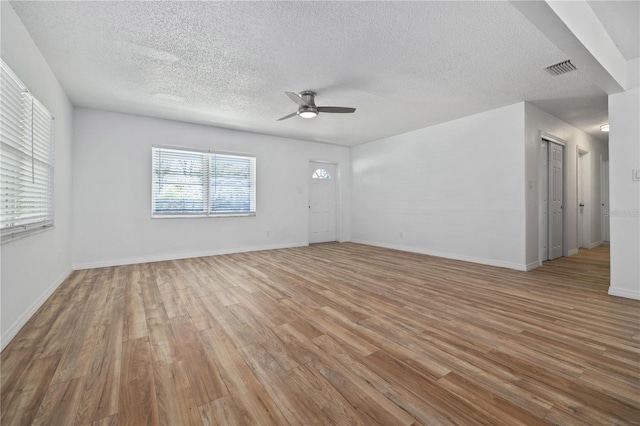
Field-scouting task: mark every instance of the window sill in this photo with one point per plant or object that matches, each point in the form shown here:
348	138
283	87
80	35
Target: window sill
171	216
20	235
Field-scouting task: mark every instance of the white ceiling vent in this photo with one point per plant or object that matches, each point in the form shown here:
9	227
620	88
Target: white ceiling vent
561	68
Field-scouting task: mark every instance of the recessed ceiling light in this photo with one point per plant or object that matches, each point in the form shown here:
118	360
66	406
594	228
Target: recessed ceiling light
605	127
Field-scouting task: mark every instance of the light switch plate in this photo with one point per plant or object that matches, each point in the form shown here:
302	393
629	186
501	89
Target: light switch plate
636	175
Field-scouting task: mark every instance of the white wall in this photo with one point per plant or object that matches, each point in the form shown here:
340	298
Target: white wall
535	121
112	191
451	190
624	156
34	266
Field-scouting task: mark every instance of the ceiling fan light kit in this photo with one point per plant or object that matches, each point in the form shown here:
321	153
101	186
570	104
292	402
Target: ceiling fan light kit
307	112
307	107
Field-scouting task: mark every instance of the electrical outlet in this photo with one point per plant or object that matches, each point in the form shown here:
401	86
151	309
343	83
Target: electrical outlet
401	234
268	234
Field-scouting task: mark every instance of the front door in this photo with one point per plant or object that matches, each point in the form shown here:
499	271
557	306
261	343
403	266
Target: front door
322	202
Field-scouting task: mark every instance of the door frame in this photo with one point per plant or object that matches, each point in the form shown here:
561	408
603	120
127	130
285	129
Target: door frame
339	191
543	211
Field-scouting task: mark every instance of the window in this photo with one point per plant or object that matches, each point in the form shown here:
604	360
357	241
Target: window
202	183
321	174
26	159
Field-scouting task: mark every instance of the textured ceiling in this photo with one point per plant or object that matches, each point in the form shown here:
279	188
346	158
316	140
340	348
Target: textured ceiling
403	65
621	19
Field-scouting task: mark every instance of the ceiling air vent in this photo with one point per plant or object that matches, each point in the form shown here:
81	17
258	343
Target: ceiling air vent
561	68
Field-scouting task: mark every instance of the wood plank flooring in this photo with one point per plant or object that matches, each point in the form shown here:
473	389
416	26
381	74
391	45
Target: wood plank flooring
341	334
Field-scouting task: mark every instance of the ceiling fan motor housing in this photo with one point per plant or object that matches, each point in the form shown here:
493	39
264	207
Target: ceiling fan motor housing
307	107
308	96
310	110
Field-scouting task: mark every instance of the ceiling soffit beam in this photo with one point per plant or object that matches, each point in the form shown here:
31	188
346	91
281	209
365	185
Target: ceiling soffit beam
576	30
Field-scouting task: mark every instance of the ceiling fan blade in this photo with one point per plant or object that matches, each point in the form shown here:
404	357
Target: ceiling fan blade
293	114
336	109
296	98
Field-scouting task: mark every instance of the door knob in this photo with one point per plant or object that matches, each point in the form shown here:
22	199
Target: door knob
581	205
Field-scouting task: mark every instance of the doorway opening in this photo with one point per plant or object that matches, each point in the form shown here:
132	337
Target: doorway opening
323	204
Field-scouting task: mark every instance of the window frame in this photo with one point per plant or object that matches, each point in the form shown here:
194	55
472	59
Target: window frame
208	211
33	141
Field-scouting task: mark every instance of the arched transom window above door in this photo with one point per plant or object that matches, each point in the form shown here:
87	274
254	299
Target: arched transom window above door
320	174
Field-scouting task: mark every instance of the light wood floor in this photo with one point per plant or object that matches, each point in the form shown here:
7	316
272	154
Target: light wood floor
329	334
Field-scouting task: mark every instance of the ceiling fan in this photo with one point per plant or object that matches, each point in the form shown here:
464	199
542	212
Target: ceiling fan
308	108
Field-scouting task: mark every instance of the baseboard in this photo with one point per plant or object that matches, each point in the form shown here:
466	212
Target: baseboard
588	247
621	292
480	260
176	256
26	315
533	265
596	244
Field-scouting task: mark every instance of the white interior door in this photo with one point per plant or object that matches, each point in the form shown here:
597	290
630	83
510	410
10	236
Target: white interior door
583	180
322	202
604	193
556	196
544	202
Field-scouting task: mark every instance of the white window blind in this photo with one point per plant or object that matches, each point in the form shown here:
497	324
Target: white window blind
26	159
202	183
